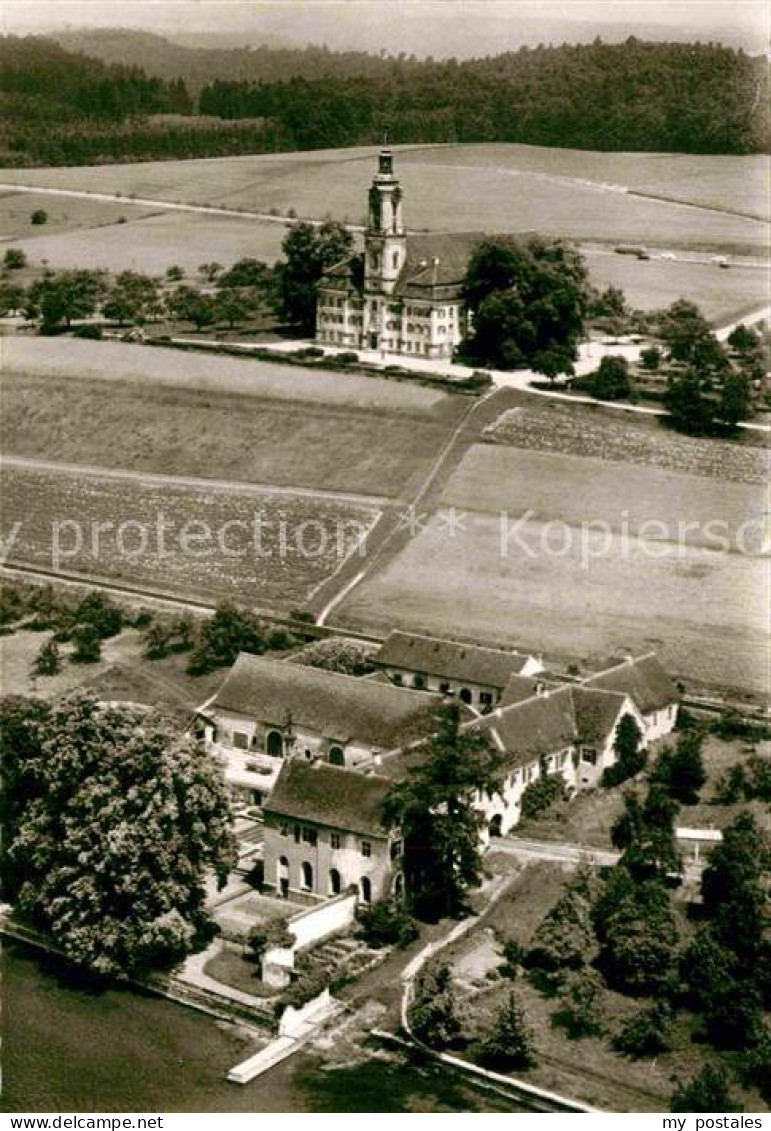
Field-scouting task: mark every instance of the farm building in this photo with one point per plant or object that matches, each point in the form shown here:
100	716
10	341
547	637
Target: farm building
268	710
405	294
324	833
476	675
568	730
649	685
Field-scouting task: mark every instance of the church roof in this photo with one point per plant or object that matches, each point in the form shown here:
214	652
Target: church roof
436	264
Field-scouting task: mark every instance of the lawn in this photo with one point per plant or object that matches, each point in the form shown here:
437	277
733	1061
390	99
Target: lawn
174	431
490	188
600	434
541	590
153	365
121	673
253	548
151	240
588	1069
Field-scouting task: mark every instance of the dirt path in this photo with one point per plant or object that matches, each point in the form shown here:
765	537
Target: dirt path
400	523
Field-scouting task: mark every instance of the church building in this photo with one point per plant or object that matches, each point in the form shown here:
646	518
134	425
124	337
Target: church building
404	295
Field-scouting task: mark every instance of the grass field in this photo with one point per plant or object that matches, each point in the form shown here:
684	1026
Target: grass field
150	241
65	214
575	430
575	594
490	188
143	365
200	543
184	432
122	672
653	283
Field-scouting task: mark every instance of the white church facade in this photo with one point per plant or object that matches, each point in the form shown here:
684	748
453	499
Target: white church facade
404	295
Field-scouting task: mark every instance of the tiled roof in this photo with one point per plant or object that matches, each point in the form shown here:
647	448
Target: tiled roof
596	712
552	720
340	707
330	796
490	667
643	679
519	687
421	277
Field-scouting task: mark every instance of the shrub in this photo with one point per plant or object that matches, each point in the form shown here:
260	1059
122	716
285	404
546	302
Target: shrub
88	645
348	357
707	1092
681	771
14	259
645	1033
39	216
308	986
386	923
96	610
227	633
510	1043
540	795
513	958
432	1012
89	331
650	358
338	654
48	660
580	1013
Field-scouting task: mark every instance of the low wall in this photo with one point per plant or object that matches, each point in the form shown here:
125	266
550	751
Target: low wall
327	918
308	927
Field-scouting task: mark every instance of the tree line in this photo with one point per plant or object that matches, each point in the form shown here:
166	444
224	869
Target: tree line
699	98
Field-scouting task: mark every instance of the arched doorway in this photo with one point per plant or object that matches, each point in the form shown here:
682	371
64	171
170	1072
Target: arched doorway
282	877
366	889
307	876
398	885
495	826
335	882
336	756
465	695
275	744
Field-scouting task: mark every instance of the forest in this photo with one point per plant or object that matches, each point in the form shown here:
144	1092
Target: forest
61	107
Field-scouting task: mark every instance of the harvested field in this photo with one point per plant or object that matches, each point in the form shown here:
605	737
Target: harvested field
152	365
572	430
152	428
642	501
254	548
152	240
699	609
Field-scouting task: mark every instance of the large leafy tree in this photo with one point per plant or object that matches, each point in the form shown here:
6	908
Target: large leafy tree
132	298
645	833
435	807
60	298
116	821
527	299
308	252
637	933
735	890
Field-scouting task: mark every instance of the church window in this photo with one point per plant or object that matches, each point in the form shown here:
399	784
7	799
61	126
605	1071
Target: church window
396	259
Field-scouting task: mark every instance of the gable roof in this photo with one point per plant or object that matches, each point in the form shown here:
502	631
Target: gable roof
519	687
644	679
449	658
341	707
436	264
329	795
547	722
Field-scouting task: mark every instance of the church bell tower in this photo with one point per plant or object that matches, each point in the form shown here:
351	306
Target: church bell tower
385	242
